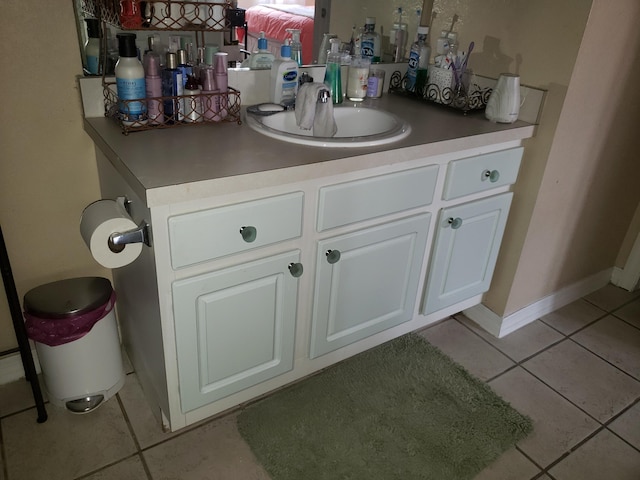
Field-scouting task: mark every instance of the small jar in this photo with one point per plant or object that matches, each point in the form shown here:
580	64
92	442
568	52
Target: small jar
375	83
358	77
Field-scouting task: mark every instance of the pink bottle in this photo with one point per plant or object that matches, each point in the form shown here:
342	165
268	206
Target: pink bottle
222	81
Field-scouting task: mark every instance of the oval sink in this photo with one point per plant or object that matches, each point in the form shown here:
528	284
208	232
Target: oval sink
357	127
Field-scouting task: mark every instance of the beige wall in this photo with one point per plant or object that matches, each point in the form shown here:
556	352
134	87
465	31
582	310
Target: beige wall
47	164
575	198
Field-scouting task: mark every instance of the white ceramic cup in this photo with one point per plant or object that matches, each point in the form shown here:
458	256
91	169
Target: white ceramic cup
503	105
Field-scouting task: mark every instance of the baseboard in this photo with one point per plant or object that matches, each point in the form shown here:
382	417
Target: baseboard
11	367
500	326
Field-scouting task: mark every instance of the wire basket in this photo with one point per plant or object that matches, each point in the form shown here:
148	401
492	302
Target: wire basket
160	15
441	88
171	111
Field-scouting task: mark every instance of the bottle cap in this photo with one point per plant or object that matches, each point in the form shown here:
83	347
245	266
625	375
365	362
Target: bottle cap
209	53
423	30
370	21
182	57
93	27
127	45
172	62
262	42
285	51
220	63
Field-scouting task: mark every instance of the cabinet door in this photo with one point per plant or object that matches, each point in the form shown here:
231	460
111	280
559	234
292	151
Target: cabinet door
465	252
366	282
234	328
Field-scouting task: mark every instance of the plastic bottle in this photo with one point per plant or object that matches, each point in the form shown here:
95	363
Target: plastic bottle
296	46
222	82
284	77
423	62
192	104
172	85
414	58
398	38
370	45
153	87
333	76
263	58
130	84
92	46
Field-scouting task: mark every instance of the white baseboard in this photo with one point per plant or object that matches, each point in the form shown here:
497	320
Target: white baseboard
11	367
501	326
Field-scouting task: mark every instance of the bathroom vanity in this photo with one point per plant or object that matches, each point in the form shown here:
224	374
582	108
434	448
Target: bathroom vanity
271	261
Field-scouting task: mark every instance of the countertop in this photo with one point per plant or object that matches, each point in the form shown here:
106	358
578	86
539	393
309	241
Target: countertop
175	164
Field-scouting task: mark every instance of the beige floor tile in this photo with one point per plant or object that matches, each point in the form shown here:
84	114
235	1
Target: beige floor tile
627	426
129	469
611	297
66	445
557	424
520	344
630	313
467	349
512	465
604	456
586	380
214	451
17	396
614	340
574	316
146	427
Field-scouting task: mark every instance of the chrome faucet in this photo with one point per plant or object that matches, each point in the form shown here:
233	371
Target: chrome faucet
324	96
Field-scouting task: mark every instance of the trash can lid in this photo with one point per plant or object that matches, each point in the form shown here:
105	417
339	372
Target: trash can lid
67	298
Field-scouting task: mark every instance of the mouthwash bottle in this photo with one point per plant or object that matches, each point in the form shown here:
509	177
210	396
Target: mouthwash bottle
370	44
333	76
418	61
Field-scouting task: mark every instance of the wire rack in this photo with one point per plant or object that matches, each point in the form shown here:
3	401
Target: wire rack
160	15
466	96
183	110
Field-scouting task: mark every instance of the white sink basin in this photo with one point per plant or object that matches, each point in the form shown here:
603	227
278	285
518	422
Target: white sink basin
357	127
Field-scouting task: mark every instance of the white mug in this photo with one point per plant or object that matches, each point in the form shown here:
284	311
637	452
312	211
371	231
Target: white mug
503	105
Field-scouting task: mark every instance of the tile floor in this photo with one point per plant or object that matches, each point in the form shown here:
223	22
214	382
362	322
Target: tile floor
575	372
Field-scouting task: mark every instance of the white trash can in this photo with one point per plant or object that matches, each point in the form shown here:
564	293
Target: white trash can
73	325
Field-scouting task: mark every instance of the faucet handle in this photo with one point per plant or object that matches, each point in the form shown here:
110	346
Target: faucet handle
324	96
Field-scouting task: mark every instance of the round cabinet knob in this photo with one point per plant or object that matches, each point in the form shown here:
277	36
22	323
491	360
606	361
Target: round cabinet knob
296	269
454	222
492	175
333	256
249	234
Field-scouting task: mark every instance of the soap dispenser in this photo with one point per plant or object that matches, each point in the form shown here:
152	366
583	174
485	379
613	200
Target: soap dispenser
333	76
284	77
263	58
296	46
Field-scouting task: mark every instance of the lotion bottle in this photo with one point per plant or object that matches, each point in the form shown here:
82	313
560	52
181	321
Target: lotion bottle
263	58
92	47
153	83
284	78
130	84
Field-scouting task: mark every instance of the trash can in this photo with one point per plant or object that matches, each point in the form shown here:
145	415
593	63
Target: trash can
73	325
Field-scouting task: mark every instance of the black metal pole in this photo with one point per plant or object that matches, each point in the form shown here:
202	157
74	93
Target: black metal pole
21	331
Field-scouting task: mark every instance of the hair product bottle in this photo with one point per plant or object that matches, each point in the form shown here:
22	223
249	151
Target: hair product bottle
172	86
92	47
153	84
130	84
193	102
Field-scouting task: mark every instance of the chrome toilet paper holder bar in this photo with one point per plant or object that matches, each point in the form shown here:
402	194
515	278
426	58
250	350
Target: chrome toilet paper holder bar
141	234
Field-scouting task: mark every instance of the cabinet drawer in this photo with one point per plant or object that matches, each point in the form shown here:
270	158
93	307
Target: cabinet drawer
484	172
208	234
375	196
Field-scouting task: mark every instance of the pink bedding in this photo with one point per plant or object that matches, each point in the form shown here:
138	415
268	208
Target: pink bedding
274	21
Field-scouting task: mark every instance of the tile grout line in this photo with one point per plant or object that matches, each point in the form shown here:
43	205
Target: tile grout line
134	436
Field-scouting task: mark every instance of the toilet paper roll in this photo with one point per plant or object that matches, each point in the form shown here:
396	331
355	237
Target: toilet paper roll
99	220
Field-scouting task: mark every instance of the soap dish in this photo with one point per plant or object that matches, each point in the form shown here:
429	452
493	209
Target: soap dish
265	109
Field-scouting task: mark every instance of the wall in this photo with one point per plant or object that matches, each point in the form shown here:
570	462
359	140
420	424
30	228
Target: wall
47	163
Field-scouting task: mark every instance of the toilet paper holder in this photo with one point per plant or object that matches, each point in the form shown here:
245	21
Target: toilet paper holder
141	234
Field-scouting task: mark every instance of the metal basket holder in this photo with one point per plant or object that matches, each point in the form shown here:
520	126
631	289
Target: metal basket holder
460	97
198	17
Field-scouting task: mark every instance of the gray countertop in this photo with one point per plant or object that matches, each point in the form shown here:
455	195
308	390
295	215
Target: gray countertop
161	165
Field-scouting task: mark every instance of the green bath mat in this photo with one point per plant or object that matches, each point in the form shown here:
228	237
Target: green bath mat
402	411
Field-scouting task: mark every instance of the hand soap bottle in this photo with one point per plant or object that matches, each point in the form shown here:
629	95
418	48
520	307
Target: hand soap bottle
284	78
333	76
296	46
263	58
